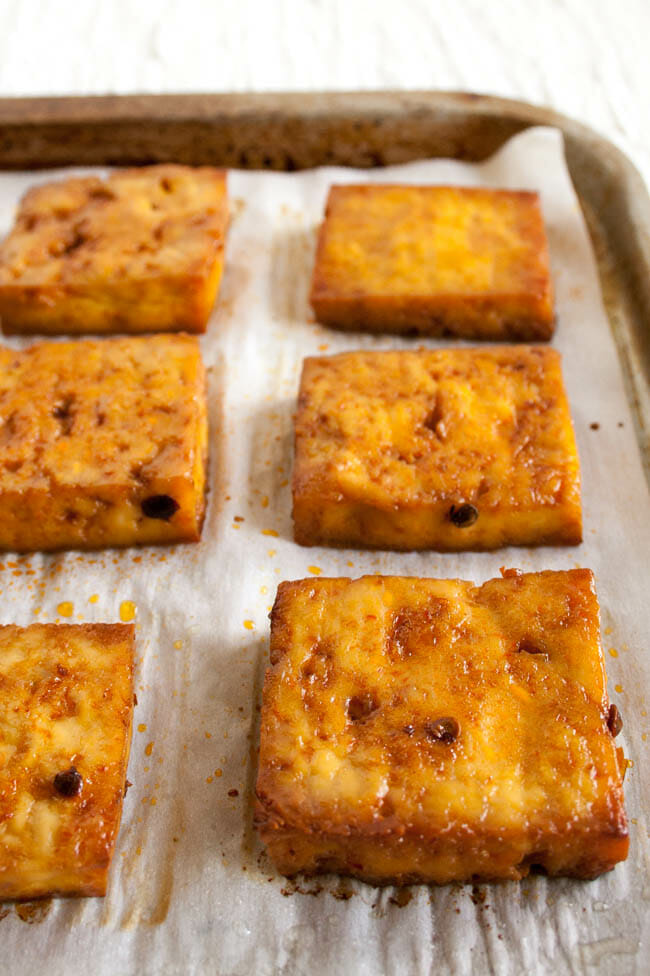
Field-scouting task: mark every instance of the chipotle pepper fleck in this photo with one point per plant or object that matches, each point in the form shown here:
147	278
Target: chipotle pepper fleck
614	720
463	515
69	783
159	507
443	730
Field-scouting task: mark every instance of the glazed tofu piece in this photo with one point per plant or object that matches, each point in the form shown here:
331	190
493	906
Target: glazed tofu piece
139	251
444	449
66	705
420	730
102	443
434	260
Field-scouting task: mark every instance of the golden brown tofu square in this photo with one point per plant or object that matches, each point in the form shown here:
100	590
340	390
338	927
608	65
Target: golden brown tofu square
66	705
102	443
443	449
434	260
421	730
139	251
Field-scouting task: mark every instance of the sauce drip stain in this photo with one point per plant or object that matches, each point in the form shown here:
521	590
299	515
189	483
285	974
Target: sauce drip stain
401	898
33	912
65	609
127	611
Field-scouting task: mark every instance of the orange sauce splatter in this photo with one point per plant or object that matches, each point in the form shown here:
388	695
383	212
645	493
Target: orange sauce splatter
218	772
613	652
323	346
316	570
65	609
208	735
249	625
148	749
94	598
265	501
142	727
264	589
208	779
178	644
127	611
270	532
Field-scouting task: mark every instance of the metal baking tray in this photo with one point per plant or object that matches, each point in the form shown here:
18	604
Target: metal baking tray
298	131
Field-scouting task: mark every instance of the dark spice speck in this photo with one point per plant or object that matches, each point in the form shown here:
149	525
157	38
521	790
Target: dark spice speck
69	783
463	515
614	720
443	730
159	507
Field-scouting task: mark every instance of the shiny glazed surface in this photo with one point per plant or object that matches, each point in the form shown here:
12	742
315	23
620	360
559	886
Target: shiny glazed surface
434	259
90	431
66	700
388	442
432	730
140	251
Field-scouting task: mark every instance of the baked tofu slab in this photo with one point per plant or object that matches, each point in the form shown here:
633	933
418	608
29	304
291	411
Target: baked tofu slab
102	443
436	449
140	251
434	260
66	705
420	730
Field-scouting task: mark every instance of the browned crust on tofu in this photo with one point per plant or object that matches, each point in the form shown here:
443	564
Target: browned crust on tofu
66	698
353	780
139	251
434	260
90	432
390	445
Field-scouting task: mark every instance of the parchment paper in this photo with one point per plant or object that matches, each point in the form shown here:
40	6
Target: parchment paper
190	888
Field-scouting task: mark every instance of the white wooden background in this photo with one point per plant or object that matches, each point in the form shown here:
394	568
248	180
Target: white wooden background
587	58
